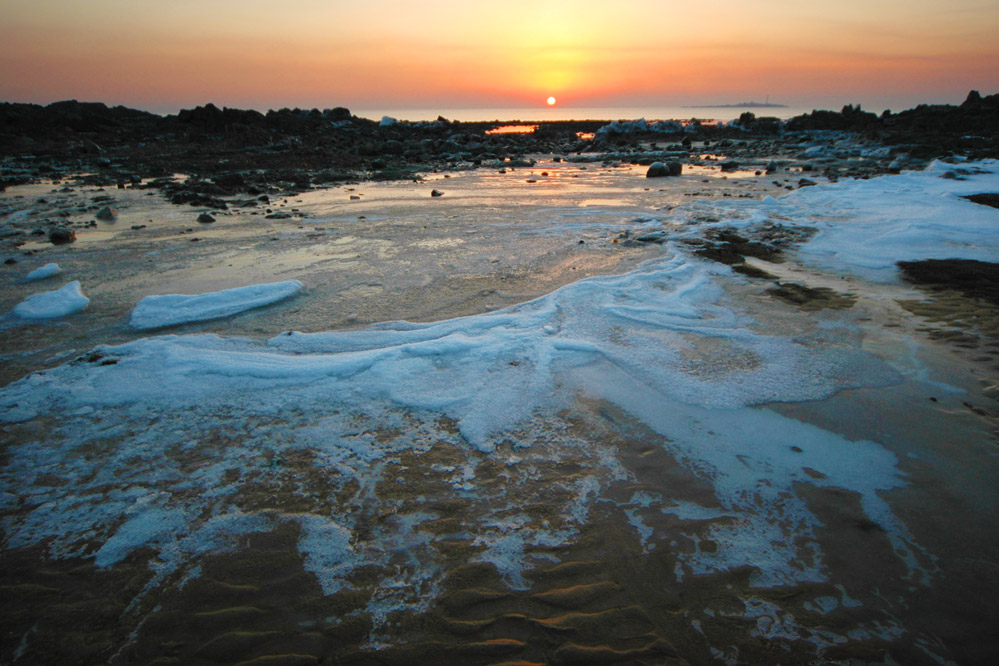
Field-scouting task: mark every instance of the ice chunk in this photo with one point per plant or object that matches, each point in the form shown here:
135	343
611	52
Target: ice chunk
53	304
172	309
46	271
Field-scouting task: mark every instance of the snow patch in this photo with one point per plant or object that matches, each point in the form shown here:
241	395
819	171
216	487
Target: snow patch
62	302
46	271
173	309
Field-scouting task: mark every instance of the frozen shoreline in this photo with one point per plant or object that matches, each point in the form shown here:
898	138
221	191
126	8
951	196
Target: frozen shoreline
680	345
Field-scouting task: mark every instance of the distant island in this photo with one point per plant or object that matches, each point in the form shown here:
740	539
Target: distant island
740	105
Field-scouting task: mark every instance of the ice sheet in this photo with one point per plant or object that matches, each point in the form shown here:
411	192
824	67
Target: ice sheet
172	309
62	302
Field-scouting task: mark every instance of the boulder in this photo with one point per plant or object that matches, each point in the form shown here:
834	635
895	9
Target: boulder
108	214
339	113
205	218
663	170
61	235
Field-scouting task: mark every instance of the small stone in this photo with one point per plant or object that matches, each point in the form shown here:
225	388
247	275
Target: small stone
436	193
61	236
805	182
108	214
664	170
10	260
729	166
205	218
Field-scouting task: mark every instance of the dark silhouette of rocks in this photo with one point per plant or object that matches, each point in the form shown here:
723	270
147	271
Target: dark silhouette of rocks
235	151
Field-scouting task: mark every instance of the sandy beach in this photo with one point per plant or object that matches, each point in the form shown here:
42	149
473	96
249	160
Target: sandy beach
557	413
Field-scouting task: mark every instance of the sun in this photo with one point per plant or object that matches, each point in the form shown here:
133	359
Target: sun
551	101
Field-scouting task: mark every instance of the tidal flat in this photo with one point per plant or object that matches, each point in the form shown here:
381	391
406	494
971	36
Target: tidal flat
558	413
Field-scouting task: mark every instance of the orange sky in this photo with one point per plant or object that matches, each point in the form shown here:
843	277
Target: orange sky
164	55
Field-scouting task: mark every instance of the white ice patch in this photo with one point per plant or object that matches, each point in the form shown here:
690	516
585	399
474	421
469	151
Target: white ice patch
46	271
173	309
62	302
754	457
867	226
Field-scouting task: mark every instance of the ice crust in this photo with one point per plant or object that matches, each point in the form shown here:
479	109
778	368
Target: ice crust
867	226
172	309
662	342
46	271
62	302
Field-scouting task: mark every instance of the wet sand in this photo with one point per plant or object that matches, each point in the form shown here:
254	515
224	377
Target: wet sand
558	547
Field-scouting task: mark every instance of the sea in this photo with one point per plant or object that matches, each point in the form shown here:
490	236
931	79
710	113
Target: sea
553	113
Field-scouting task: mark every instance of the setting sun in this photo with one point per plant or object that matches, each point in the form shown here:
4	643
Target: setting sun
551	101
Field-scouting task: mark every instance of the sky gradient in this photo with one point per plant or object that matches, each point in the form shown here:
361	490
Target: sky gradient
163	56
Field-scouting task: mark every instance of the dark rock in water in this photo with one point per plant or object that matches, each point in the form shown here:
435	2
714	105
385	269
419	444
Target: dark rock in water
728	247
663	170
61	236
985	199
808	298
108	214
10	260
205	218
977	279
658	237
436	193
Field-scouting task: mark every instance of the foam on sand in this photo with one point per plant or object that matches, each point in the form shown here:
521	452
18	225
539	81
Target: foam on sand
173	309
62	302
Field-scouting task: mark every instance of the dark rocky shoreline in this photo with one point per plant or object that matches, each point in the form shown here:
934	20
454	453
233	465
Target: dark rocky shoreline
232	151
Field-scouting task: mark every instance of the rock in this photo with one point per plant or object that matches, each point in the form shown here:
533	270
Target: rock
10	261
772	166
339	113
805	182
658	237
108	214
436	193
729	166
663	170
205	218
984	199
61	235
974	99
277	216
230	180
